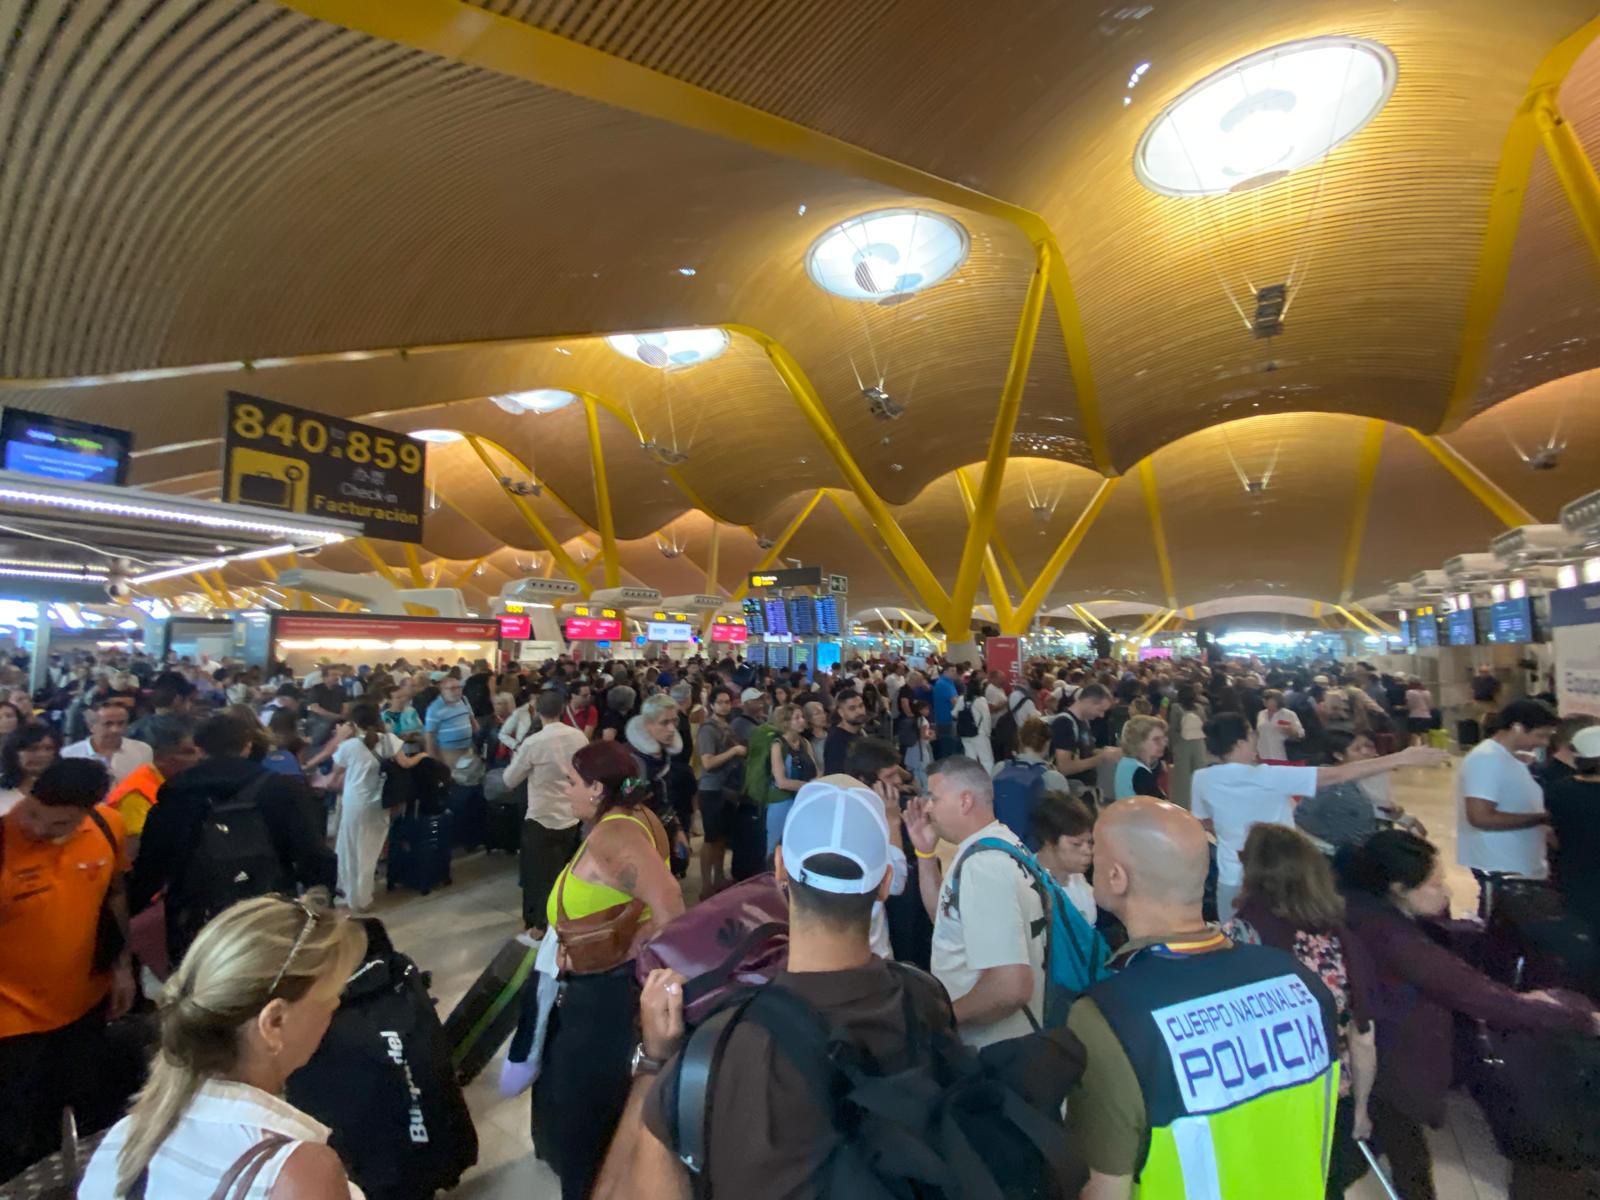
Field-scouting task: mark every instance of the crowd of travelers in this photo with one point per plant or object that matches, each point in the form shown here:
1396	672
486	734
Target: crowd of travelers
1095	929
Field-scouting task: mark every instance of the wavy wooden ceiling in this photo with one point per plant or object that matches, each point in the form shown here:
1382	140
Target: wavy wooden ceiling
226	182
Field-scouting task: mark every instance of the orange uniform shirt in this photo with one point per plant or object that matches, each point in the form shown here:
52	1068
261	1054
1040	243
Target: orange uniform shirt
135	795
50	899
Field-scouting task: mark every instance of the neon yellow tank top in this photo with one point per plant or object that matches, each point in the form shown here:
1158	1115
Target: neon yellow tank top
584	898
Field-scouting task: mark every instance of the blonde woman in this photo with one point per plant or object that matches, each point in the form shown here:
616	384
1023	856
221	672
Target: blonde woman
1144	744
245	1010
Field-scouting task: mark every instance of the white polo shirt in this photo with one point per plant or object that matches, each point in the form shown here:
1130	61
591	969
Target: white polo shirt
1493	773
130	756
1234	797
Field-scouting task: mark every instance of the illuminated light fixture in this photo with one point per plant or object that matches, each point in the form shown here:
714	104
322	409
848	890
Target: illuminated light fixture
539	400
888	254
65	576
210	564
669	348
87	498
1256	120
1566	576
437	437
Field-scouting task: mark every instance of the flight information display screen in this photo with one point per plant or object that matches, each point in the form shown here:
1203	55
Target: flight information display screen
803	615
828	615
755	617
1511	621
67	451
1427	629
1462	628
776	613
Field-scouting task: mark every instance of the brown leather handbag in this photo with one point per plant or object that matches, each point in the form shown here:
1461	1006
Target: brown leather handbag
603	940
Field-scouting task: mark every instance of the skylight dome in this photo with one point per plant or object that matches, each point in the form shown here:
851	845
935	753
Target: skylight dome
439	437
1258	119
539	400
671	348
887	254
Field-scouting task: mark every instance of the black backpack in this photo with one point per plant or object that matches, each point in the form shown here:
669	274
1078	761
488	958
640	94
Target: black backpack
399	785
966	723
382	1081
1003	735
232	858
951	1124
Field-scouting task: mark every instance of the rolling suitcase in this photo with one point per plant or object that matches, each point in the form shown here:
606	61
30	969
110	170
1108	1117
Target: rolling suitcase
503	819
419	852
469	814
486	1016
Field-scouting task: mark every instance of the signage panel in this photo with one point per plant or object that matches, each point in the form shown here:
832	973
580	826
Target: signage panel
668	631
516	629
732	634
67	451
793	577
294	460
593	629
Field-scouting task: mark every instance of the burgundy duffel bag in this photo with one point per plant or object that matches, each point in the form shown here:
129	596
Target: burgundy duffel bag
738	939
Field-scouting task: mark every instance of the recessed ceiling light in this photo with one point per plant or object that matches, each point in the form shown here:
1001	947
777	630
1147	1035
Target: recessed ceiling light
667	348
1260	118
539	400
440	437
687	272
888	253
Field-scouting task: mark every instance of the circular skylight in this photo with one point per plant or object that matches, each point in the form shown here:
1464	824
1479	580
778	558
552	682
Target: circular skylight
539	400
1256	120
887	254
439	437
670	348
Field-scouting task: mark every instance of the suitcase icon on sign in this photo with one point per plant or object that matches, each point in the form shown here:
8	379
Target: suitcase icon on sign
268	480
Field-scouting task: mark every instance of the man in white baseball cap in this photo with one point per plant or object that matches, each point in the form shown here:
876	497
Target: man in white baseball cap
762	1130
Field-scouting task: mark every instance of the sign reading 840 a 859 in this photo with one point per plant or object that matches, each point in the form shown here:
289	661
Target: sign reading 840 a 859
294	460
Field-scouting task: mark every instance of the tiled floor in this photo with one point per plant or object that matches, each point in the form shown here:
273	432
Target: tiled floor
455	932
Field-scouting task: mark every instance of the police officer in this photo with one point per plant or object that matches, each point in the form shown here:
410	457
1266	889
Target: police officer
1210	1065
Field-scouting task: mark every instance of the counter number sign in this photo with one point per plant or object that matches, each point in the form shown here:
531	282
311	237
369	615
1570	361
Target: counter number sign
294	460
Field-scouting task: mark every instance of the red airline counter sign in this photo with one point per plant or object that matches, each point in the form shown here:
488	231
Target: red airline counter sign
516	629
591	623
328	625
727	629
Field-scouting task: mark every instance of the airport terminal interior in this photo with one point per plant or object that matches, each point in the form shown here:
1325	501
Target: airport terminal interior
373	372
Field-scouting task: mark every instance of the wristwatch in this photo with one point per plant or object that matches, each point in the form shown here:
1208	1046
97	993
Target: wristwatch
643	1064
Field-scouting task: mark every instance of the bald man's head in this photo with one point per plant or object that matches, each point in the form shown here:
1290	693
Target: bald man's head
1149	852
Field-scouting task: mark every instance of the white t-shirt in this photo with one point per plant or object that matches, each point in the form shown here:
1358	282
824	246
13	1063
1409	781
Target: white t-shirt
129	757
1273	730
993	927
1493	773
1236	796
363	780
542	760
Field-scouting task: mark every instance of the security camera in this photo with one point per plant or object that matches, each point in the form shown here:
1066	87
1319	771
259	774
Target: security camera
882	405
117	589
765	543
1546	458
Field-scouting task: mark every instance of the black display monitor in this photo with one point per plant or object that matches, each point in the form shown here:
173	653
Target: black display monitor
62	450
1461	628
1511	621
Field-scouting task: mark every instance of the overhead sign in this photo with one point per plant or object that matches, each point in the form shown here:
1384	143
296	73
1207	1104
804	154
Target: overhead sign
69	451
1575	616
401	631
293	460
792	578
593	629
736	635
839	585
668	631
516	629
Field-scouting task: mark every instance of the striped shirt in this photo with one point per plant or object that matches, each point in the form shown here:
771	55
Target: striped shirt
450	724
224	1120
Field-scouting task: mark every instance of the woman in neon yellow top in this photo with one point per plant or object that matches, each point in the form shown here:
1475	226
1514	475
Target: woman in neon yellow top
614	892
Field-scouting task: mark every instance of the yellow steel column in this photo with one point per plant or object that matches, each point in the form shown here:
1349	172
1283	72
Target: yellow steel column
1491	494
1366	475
1158	529
465	573
223	589
1572	166
980	520
205	586
713	557
991	569
1353	619
1026	607
372	556
1089	619
1009	563
1372	618
868	541
415	564
1160	624
562	559
602	496
810	404
771	556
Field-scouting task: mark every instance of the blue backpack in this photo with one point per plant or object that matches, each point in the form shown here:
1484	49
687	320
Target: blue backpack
1017	788
1076	956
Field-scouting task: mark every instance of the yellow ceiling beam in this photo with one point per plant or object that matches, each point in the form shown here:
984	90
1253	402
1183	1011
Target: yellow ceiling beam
981	513
222	589
1022	614
1504	220
871	544
465	33
1486	490
211	592
602	495
912	621
1161	623
991	568
1354	620
922	579
535	522
778	546
1008	562
415	565
1572	166
1089	619
1372	618
466	572
1366	476
1158	528
372	556
1148	624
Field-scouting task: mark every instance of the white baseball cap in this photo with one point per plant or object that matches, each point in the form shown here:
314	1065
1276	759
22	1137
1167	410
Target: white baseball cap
1586	742
837	815
750	694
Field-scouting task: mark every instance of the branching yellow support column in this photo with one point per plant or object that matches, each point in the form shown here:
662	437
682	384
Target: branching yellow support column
1025	609
714	557
415	564
1572	166
810	405
372	556
1158	528
1372	618
991	569
222	589
1009	563
1491	494
465	573
980	520
562	559
602	496
211	592
1089	619
778	547
1161	623
1366	476
1355	622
